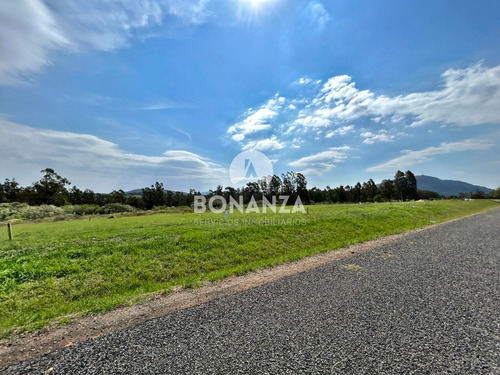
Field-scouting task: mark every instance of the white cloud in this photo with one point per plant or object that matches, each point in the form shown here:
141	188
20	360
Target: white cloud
265	144
31	30
163	104
467	97
257	120
313	122
343	130
254	122
321	162
104	160
28	33
381	136
411	158
318	14
303	81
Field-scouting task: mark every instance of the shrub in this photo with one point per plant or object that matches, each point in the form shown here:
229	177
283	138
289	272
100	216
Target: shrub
112	208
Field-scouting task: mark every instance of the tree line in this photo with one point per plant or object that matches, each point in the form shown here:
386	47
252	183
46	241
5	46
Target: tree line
53	189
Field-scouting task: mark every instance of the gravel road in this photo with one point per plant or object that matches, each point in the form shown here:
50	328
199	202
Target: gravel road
426	304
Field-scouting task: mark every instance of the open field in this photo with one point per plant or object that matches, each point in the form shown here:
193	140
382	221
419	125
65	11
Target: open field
53	272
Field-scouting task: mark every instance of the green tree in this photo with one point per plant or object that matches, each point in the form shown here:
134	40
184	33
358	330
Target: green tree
3	198
400	186
51	189
275	185
88	197
117	196
411	185
496	193
301	184
387	190
153	196
287	183
369	191
11	189
75	196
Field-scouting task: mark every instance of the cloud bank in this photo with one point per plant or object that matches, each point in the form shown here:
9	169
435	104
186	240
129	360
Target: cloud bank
106	161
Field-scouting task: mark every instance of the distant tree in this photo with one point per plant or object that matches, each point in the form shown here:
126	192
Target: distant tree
179	199
88	197
3	198
51	189
169	199
301	186
405	186
190	197
135	201
275	185
369	191
264	184
496	194
387	190
341	194
356	193
218	191
427	194
400	186
117	196
153	196
11	189
316	195
252	189
478	194
230	192
287	183
411	185
76	196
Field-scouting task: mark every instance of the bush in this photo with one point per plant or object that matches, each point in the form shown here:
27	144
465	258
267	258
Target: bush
86	209
112	208
9	211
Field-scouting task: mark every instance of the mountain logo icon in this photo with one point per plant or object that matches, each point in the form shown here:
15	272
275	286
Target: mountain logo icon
249	169
249	166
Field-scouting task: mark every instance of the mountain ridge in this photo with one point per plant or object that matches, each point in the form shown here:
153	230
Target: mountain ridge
448	187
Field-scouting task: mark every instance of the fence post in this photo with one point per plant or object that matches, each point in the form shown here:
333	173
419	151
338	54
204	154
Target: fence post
9	229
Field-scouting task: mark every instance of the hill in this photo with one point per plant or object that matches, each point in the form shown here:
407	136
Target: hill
448	187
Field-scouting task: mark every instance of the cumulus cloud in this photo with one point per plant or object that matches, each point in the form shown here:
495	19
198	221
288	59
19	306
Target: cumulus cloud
265	144
381	136
101	158
411	158
322	110
313	122
467	97
343	130
321	162
257	120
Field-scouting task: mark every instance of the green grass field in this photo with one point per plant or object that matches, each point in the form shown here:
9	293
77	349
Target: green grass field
55	271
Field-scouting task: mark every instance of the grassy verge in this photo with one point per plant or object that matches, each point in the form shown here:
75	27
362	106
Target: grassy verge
52	272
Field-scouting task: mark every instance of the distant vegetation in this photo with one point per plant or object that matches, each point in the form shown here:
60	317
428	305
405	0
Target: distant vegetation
53	197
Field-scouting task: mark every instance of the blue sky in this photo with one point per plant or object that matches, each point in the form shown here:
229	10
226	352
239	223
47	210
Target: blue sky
122	94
